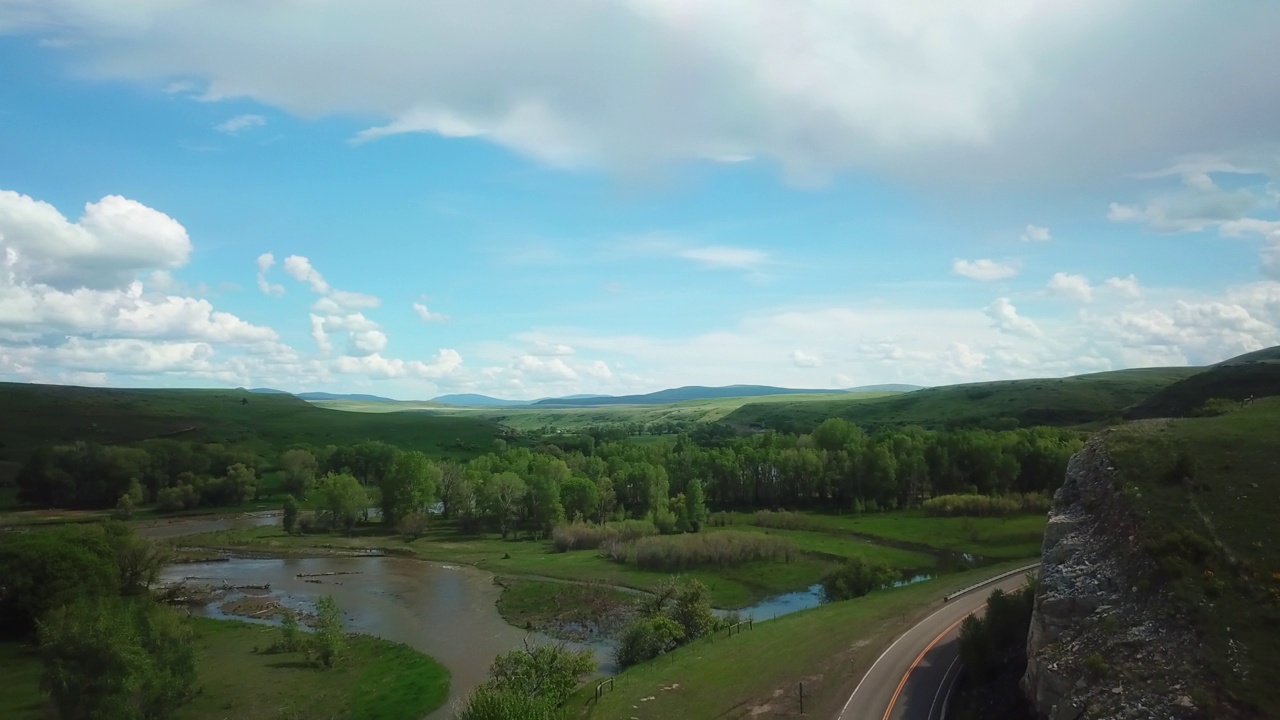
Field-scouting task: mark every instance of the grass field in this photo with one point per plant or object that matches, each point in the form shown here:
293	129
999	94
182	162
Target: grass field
1214	538
35	414
1047	401
756	673
564	610
529	419
823	547
376	679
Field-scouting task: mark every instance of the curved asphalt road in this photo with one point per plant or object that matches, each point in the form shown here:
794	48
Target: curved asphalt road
911	680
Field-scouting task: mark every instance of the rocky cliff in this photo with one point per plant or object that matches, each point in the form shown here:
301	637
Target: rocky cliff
1102	643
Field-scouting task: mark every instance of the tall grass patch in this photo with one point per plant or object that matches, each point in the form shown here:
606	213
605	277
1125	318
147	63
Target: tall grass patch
676	553
585	536
986	505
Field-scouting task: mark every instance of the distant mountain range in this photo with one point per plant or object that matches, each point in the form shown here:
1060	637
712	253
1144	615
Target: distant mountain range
321	395
661	397
699	392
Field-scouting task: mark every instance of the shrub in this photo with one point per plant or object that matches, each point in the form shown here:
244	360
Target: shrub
722	549
986	505
720	519
583	536
413	525
855	578
329	638
647	638
781	520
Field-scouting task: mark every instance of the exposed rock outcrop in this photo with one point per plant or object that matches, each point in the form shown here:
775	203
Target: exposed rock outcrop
1098	646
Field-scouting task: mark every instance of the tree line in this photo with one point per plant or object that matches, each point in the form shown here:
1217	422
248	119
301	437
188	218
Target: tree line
515	489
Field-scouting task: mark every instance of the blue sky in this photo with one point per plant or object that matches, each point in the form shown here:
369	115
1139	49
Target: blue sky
417	198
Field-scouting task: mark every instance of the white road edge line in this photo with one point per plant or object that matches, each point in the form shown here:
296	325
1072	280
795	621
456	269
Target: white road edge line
934	705
946	704
946	598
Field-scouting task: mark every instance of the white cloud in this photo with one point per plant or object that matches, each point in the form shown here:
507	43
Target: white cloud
599	370
983	270
319	335
368	342
541	369
234	125
425	314
349	300
1127	287
300	268
114	241
1076	287
445	362
1036	233
803	359
1004	316
813	86
724	256
265	261
547	349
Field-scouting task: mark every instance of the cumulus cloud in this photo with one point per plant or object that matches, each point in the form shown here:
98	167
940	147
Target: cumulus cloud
375	365
425	314
112	242
1076	287
265	261
547	349
544	369
300	268
983	270
1004	316
813	86
1126	287
803	359
234	125
1036	233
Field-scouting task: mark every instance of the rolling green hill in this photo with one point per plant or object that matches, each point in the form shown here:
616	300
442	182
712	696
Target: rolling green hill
1076	400
35	414
1256	374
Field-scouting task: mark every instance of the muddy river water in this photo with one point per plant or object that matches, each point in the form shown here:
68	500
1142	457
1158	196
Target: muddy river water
446	611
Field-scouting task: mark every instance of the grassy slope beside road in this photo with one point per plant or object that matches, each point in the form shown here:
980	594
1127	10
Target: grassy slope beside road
757	672
376	679
1046	401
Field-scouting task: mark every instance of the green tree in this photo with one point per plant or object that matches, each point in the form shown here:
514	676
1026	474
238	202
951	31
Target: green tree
40	571
343	500
240	484
109	659
490	703
299	472
329	639
291	510
647	638
411	485
581	499
504	494
695	505
548	672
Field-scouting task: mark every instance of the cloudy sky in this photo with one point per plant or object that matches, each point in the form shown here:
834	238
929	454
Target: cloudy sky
414	197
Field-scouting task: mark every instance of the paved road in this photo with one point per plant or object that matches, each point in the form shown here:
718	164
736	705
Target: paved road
911	679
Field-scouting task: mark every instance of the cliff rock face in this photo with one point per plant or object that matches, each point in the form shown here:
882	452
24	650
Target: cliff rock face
1098	647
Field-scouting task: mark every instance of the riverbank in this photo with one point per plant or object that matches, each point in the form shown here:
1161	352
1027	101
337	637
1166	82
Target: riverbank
758	672
910	542
376	678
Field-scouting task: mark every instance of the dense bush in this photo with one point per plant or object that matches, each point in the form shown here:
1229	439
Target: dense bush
678	612
677	553
997	639
986	505
855	578
528	684
647	638
582	536
781	520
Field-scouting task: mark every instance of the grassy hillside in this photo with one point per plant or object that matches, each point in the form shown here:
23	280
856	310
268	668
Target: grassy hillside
35	414
1209	522
1254	375
565	418
1044	401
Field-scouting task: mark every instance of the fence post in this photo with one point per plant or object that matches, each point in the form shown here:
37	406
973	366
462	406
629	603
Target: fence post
801	698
